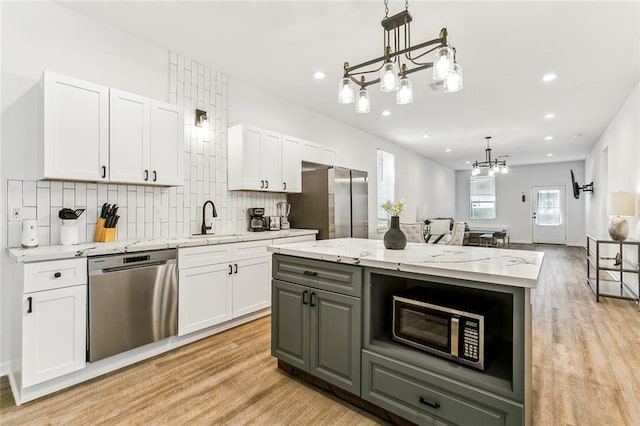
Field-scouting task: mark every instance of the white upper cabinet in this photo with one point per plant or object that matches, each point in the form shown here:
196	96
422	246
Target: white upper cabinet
319	154
291	164
94	133
76	129
166	152
254	161
129	137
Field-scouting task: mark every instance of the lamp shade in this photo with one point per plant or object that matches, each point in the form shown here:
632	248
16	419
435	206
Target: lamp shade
621	204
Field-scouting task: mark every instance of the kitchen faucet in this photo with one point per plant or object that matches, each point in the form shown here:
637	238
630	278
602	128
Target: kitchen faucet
204	228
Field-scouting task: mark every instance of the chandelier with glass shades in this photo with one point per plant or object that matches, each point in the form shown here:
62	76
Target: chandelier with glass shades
493	167
399	60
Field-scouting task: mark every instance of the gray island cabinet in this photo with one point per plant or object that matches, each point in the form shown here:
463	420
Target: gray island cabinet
332	316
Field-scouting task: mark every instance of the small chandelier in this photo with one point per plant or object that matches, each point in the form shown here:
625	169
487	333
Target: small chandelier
394	66
493	167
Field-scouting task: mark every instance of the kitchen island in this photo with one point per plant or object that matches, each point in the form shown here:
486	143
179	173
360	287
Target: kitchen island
333	314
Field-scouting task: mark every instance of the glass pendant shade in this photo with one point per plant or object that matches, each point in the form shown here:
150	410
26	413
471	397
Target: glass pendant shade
504	170
404	94
490	172
346	91
389	80
475	171
496	169
363	103
453	82
442	63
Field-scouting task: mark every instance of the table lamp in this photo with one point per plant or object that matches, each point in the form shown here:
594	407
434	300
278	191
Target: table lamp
620	204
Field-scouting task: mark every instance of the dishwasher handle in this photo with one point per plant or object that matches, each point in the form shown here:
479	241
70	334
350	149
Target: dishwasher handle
131	266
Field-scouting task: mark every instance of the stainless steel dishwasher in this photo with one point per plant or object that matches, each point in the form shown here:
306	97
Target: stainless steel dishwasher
133	300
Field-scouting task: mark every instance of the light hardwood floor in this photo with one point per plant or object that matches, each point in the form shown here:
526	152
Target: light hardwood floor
586	371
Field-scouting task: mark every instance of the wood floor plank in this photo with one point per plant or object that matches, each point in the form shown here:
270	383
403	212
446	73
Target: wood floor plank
586	371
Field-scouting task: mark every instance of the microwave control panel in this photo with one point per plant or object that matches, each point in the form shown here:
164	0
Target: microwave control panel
470	338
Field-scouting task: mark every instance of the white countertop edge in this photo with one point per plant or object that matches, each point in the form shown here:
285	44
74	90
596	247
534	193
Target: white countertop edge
58	252
509	280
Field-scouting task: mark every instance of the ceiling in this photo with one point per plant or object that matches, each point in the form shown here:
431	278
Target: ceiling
504	48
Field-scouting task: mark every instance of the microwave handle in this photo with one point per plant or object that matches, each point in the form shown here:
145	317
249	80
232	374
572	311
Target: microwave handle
455	328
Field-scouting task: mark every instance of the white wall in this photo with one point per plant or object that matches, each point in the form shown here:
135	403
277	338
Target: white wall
613	166
515	215
424	184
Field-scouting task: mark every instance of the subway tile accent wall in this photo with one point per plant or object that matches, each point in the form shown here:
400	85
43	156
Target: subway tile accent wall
151	212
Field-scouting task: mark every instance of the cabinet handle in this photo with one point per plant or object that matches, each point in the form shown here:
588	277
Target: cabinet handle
29	306
284	185
261	184
435	405
235	268
267	182
230	269
155	176
304	297
57	274
311	303
104	172
310	273
146	175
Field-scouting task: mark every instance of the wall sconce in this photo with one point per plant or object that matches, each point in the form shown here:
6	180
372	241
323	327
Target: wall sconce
201	118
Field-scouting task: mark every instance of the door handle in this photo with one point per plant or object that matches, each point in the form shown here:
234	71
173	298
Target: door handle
435	405
261	184
146	175
104	172
235	268
29	304
311	302
304	297
230	269
155	176
284	185
267	184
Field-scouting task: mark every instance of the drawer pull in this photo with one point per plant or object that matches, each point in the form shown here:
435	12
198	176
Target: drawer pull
30	304
435	405
304	297
57	274
310	273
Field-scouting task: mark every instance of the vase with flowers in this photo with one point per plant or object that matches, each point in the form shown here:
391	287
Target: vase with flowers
394	238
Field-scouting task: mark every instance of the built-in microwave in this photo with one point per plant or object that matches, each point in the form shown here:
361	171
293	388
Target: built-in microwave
449	325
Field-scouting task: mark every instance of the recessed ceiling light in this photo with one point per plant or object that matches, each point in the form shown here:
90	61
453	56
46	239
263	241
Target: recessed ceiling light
548	138
319	75
386	113
549	77
426	136
467	162
448	150
550	115
576	135
549	155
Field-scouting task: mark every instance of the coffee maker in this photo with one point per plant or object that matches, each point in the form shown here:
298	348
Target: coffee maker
257	221
283	211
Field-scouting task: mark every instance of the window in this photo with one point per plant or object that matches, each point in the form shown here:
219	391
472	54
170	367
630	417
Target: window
482	199
386	185
549	208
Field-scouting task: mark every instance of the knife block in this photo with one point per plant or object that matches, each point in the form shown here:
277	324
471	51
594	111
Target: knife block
103	234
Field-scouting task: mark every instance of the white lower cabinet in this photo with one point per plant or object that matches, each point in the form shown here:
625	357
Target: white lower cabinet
49	316
235	282
53	333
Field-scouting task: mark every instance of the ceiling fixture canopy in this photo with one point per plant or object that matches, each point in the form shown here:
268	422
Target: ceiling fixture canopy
399	60
493	167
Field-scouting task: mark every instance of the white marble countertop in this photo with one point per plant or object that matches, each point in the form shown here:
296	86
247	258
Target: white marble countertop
517	268
55	252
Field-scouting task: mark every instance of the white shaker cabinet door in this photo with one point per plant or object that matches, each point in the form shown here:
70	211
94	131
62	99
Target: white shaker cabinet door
291	164
243	162
251	285
204	297
167	144
54	333
270	160
76	129
129	137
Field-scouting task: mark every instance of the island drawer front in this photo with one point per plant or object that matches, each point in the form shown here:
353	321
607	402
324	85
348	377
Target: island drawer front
343	279
190	257
40	276
424	397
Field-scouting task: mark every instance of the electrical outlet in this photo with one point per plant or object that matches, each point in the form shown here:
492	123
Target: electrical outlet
16	213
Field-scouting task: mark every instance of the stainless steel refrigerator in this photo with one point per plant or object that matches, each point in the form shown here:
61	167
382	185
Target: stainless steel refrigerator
334	201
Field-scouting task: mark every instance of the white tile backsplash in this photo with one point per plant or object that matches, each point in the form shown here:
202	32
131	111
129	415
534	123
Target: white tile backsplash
153	212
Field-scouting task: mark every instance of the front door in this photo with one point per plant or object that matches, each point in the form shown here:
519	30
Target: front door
549	218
